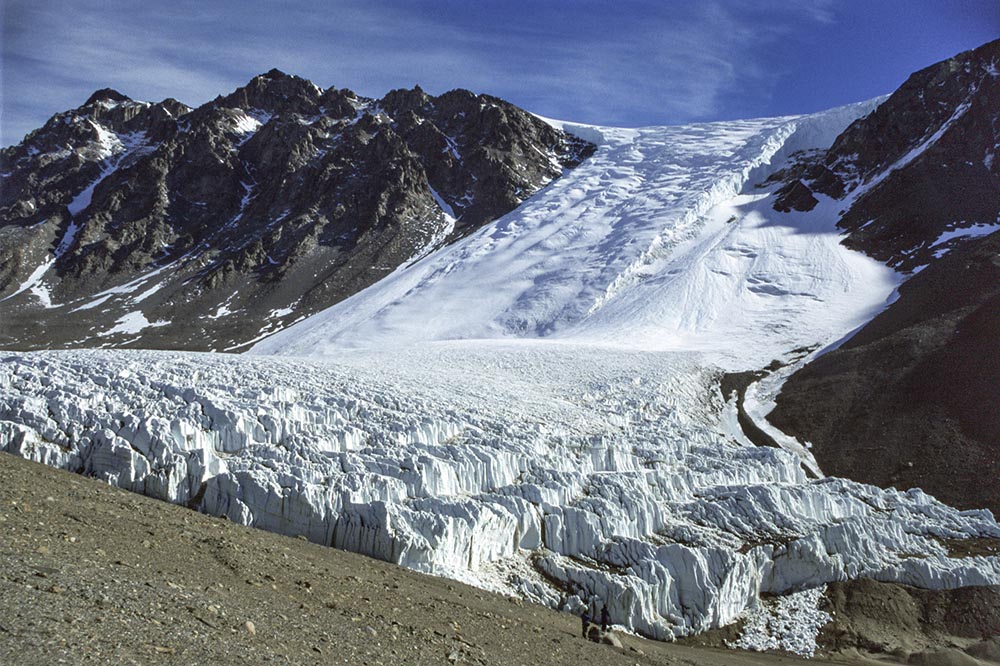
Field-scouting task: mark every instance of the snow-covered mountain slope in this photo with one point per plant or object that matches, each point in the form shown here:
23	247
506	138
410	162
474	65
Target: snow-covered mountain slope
658	241
130	224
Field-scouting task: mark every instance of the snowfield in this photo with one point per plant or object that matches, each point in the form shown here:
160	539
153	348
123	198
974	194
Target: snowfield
660	241
536	409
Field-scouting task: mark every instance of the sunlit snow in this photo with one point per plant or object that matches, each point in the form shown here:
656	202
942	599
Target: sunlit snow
660	241
133	322
943	243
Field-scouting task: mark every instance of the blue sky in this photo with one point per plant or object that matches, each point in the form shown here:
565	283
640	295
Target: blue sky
624	62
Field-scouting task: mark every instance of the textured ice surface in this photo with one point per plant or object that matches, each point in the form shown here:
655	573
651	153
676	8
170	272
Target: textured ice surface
558	472
659	241
791	623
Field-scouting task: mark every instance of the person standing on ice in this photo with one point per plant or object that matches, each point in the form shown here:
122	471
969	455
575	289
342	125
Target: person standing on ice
585	620
604	617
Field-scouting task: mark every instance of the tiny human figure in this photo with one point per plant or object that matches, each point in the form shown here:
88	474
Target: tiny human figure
604	618
585	620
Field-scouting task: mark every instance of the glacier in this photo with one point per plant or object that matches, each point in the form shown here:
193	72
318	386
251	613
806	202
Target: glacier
659	241
536	409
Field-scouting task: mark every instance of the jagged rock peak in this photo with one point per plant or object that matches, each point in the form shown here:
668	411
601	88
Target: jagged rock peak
273	73
175	107
275	92
403	99
928	100
107	95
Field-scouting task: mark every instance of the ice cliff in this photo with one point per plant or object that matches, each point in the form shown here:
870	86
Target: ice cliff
558	473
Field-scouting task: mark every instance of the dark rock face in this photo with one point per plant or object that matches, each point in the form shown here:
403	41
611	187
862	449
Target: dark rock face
953	183
794	196
924	162
232	220
911	399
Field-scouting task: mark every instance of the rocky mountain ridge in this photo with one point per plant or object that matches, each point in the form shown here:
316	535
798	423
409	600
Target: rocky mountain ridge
125	223
919	174
910	399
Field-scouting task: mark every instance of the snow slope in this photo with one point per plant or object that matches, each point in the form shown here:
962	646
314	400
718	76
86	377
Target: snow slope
536	408
657	242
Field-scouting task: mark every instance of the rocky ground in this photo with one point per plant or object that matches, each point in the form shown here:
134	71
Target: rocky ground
913	626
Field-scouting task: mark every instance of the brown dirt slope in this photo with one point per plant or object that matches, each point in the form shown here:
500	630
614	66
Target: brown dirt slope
914	626
887	623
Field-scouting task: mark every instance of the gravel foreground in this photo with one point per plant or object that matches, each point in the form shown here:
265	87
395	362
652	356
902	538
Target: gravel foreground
96	575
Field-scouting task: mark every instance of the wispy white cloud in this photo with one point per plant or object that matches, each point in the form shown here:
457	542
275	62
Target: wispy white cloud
600	62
